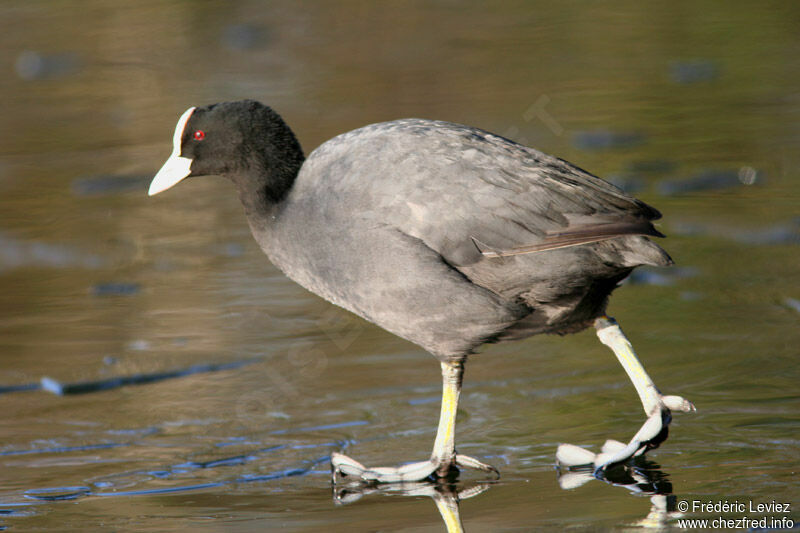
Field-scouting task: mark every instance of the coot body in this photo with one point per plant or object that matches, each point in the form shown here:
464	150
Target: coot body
446	235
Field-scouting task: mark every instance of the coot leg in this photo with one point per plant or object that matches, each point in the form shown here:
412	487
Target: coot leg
444	448
444	460
657	407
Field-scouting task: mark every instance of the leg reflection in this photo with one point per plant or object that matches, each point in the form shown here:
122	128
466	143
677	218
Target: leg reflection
445	494
639	476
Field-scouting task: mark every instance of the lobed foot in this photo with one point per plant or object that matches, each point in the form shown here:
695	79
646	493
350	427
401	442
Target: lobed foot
344	466
652	433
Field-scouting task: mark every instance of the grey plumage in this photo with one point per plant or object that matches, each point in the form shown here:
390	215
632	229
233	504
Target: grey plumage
387	221
446	235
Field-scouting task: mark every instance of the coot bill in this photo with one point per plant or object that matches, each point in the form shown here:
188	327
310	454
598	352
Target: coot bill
446	235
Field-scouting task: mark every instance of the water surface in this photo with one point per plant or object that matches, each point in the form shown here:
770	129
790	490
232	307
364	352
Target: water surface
237	384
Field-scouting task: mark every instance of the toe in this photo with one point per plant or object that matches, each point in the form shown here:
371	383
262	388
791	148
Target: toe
613	446
606	459
650	429
346	466
571	455
410	472
677	403
465	461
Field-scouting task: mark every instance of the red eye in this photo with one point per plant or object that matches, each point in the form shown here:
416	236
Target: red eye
199	135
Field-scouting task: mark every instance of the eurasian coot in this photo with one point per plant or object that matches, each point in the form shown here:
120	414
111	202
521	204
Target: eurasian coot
446	235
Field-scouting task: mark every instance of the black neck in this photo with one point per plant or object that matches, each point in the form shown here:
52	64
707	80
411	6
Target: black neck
266	178
261	190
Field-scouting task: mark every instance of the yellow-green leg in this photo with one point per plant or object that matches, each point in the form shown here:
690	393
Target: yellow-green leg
657	407
443	458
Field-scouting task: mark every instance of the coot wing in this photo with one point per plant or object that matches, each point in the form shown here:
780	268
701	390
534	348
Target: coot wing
467	193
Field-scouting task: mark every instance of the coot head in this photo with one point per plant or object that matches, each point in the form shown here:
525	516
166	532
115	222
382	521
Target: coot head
244	141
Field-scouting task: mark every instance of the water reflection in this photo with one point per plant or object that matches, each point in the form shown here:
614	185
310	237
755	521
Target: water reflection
641	477
445	493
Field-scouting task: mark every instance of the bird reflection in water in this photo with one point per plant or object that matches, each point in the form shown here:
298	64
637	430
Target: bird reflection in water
444	492
640	476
